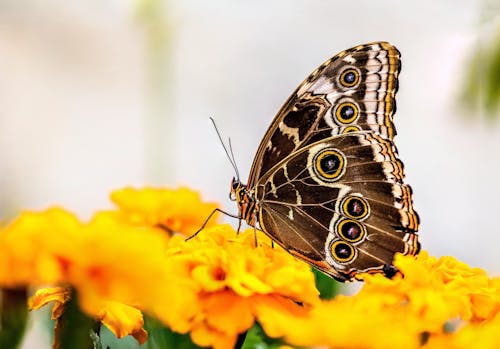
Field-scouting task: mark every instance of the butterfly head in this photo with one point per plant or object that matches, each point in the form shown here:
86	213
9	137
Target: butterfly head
245	202
238	190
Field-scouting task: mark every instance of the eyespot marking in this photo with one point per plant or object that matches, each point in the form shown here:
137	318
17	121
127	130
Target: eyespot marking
342	252
350	230
346	112
329	164
350	129
349	77
355	207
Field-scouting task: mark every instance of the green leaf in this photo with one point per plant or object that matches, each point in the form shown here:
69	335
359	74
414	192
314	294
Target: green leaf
161	337
108	340
13	317
327	287
257	339
73	327
96	340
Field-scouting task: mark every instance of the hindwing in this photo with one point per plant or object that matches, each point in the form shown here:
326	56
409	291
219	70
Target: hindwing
340	204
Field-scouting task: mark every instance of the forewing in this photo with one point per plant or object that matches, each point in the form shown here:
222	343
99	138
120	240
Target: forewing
351	92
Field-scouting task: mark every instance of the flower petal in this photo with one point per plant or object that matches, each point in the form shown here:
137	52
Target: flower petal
123	320
58	295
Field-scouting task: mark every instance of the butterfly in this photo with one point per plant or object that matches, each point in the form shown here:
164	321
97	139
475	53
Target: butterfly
326	182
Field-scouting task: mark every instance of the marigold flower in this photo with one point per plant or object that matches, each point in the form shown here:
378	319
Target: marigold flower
179	210
121	319
399	313
34	247
53	247
474	335
58	295
219	284
117	267
230	280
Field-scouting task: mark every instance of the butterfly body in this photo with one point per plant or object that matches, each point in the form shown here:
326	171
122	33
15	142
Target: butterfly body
326	183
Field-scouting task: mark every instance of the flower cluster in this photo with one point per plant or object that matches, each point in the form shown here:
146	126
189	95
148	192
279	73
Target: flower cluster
227	283
438	302
130	261
123	261
177	210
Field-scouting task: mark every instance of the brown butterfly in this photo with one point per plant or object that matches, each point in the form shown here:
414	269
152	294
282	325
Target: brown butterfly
326	183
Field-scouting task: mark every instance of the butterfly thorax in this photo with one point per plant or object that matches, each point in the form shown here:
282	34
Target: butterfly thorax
247	205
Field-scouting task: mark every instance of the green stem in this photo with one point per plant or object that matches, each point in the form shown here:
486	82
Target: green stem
73	327
13	317
241	340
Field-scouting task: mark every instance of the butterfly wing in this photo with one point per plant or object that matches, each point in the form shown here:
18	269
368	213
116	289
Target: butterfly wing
341	205
326	181
352	91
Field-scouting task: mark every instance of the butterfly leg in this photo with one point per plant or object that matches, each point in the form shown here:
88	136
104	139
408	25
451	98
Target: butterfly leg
254	228
255	235
208	219
239	226
167	229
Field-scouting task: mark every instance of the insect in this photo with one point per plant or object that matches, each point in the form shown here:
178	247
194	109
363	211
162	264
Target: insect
326	183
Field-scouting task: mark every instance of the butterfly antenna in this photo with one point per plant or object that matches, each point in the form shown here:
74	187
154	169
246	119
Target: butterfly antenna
228	154
234	161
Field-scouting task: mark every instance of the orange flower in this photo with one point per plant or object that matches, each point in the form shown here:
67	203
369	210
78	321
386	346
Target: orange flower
473	335
180	210
218	284
58	295
121	319
37	246
230	281
398	313
118	267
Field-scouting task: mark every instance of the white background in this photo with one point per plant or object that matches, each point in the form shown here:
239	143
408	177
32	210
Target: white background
80	114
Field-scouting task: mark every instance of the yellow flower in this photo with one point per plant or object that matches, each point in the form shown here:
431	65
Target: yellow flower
36	246
227	280
117	267
58	295
398	313
53	247
218	258
179	210
218	284
473	335
121	319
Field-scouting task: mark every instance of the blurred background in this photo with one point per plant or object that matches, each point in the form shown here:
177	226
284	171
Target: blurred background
100	94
